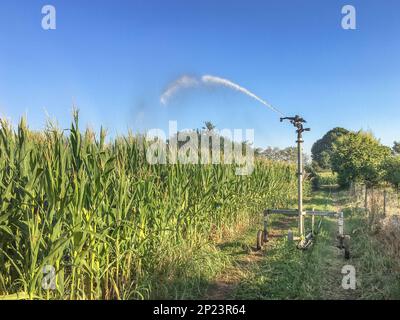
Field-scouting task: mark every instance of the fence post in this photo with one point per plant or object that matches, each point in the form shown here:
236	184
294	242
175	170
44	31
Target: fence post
366	199
384	202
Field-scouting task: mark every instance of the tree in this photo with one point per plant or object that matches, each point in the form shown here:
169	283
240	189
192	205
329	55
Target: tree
322	149
392	171
396	147
258	152
209	126
359	156
209	136
288	154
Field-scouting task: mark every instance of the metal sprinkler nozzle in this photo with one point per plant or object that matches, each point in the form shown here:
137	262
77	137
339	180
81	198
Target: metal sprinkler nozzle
298	122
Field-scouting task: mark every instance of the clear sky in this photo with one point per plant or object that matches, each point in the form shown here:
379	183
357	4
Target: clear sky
114	58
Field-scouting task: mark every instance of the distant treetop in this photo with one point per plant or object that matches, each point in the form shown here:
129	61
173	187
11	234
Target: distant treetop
322	149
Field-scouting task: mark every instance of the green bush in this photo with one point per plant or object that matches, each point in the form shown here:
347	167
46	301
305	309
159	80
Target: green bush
324	179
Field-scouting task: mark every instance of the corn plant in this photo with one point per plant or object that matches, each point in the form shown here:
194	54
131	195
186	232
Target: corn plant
110	224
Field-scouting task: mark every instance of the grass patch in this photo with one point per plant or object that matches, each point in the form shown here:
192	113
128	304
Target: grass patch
284	272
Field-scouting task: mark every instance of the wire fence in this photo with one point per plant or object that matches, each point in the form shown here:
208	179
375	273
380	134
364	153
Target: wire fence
379	201
382	208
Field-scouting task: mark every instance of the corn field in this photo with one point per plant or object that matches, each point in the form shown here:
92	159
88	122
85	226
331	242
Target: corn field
111	225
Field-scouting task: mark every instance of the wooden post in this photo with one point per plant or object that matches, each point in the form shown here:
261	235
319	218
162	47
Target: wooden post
384	202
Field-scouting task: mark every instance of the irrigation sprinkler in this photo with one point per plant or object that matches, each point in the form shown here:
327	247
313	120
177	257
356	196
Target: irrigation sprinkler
298	122
306	238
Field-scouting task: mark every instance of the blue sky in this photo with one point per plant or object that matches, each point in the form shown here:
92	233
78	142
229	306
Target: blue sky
113	59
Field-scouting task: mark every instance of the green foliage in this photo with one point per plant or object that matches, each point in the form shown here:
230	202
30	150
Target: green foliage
322	149
324	179
359	156
392	170
288	154
112	225
209	126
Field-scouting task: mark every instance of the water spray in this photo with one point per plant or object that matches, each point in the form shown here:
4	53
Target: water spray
185	82
173	88
229	84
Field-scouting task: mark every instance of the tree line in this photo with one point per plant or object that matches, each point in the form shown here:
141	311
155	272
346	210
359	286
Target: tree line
354	156
357	156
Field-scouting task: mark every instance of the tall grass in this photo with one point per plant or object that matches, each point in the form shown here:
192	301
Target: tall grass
112	225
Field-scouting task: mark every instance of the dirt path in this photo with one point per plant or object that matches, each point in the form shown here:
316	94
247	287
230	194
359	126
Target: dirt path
280	271
334	262
244	259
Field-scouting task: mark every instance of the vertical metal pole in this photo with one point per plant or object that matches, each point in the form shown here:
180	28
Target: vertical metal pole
341	230
300	181
312	222
265	235
341	224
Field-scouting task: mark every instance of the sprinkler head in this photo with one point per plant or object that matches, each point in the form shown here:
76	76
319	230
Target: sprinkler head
296	121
